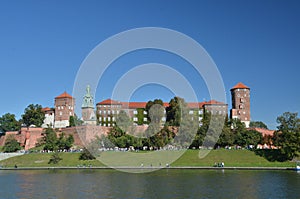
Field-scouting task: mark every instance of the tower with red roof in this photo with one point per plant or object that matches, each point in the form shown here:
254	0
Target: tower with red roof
240	95
64	108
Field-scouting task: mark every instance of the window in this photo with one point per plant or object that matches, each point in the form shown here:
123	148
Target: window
135	119
145	112
200	112
145	119
100	112
104	118
60	113
135	112
191	112
100	119
108	112
113	119
104	112
70	113
163	119
118	112
112	112
200	118
242	100
62	107
58	107
108	119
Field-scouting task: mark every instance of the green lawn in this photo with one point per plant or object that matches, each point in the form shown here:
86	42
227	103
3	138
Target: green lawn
42	159
231	158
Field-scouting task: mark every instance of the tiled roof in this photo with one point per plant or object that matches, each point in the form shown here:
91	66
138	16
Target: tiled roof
46	109
239	85
64	95
135	105
109	102
264	131
212	102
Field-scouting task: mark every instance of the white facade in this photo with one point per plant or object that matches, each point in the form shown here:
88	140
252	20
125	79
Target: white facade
49	120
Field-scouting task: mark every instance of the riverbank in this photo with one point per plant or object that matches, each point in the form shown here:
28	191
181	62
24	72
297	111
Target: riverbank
233	159
148	168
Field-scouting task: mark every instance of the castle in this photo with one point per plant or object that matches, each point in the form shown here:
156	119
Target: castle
107	110
100	120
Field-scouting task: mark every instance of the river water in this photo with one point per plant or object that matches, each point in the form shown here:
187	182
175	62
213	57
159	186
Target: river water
167	183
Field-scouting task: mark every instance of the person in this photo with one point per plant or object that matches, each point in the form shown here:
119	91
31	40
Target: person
222	164
16	166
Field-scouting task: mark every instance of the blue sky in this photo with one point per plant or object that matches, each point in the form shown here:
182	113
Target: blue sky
43	43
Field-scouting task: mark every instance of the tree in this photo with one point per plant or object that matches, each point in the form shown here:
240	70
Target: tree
55	158
155	110
123	121
11	145
86	155
174	111
75	121
33	115
50	140
249	137
8	122
188	124
64	142
258	124
287	137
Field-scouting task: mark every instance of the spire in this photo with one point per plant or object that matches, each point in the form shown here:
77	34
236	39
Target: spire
88	100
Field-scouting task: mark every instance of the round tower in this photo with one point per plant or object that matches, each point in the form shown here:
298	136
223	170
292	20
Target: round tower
240	95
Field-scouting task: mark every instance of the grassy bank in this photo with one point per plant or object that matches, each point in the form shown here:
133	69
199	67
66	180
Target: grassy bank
231	158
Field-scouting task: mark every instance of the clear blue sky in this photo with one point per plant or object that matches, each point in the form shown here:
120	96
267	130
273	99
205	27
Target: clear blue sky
43	43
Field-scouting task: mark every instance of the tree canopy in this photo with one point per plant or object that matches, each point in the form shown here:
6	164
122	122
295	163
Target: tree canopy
287	137
8	122
11	145
258	124
33	115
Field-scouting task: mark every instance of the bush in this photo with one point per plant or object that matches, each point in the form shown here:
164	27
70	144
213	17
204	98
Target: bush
11	145
86	155
55	158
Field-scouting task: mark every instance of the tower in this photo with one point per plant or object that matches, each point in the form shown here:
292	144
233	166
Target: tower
240	95
64	108
87	108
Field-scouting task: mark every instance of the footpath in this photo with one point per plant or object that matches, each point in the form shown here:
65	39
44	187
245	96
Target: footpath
4	156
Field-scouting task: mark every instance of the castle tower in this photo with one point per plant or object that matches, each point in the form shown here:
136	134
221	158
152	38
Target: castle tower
87	108
240	95
64	108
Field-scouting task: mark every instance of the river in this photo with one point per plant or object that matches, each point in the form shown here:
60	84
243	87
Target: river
167	183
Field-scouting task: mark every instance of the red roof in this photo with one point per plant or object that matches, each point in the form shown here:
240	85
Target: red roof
212	102
46	109
239	85
264	131
64	95
109	102
135	105
195	104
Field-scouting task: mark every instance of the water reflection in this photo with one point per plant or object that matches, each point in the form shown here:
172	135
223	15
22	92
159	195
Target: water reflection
161	184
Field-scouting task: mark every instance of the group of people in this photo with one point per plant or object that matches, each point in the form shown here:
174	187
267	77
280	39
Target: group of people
219	164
